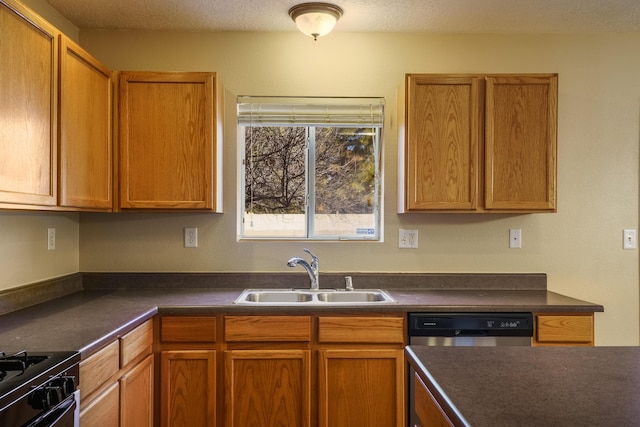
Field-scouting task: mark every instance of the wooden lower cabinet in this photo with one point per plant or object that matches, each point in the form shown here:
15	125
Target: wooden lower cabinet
561	329
136	395
361	371
429	411
270	370
267	388
103	410
116	382
188	388
284	371
267	369
188	371
360	387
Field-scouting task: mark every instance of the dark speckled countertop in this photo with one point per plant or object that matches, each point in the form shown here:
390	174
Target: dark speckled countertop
86	320
539	386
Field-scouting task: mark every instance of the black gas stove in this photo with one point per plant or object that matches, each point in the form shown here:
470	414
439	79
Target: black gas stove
39	389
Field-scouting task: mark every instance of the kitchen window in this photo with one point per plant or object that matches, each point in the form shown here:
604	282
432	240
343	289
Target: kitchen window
310	168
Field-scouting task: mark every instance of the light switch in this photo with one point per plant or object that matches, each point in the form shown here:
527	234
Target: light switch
407	239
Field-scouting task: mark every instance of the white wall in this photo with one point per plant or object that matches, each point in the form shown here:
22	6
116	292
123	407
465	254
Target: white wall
580	247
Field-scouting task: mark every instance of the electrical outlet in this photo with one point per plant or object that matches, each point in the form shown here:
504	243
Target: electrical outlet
190	237
515	238
629	236
407	239
51	239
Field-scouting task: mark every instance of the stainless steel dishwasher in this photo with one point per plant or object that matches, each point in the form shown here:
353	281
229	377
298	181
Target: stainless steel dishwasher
465	329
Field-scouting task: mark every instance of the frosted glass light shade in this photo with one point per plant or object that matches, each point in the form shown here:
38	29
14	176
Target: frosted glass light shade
315	19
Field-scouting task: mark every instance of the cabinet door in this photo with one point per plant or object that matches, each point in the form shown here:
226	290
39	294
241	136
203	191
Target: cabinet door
167	140
188	388
85	130
267	388
361	387
136	395
104	410
28	107
442	143
520	142
428	409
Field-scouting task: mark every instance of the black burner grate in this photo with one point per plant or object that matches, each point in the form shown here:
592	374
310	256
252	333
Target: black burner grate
19	361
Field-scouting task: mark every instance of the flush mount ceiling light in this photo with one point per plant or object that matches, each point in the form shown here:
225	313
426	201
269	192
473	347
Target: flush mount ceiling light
315	19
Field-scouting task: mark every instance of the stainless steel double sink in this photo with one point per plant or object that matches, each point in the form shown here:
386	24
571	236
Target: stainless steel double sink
309	297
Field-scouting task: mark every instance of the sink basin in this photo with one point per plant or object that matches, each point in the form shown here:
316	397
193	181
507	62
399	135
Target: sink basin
277	296
307	297
355	296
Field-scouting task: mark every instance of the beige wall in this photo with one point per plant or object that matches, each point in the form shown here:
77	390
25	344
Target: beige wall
24	257
580	247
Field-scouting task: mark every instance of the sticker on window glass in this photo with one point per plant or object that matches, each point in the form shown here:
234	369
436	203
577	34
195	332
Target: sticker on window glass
368	231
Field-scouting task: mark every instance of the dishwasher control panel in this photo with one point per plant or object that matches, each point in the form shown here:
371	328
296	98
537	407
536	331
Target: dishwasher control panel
470	324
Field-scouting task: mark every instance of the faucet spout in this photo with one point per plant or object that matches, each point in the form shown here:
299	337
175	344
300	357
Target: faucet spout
312	269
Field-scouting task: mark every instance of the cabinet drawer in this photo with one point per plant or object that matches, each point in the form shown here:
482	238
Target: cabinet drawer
136	343
188	329
98	368
361	330
564	329
267	328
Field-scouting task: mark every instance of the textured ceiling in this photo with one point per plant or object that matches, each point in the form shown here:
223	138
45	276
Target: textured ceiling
438	16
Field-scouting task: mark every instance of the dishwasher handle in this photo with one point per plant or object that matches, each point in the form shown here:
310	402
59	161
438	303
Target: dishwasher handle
470	333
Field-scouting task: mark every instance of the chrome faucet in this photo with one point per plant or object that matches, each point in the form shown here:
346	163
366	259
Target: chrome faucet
312	269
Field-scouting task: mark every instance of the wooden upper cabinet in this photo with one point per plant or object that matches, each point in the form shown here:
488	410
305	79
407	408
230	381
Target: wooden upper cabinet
521	123
85	130
28	108
442	142
479	143
169	141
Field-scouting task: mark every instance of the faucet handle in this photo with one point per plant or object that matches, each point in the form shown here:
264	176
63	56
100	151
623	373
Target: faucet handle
348	283
315	258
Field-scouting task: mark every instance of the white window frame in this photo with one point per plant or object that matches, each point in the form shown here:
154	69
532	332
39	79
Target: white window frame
311	113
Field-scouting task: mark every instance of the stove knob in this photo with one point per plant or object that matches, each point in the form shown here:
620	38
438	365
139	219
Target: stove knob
54	395
67	385
40	399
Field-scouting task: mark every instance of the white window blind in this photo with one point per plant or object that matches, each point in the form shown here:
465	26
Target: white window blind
310	111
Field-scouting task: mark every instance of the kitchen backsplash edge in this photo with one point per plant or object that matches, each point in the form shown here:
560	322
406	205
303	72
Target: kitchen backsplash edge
24	296
445	281
21	297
